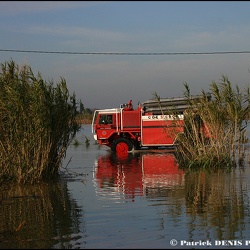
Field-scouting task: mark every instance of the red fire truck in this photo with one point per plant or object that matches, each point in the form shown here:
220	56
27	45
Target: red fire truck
150	125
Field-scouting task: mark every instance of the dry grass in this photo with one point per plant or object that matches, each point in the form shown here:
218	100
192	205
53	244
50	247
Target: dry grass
37	123
84	119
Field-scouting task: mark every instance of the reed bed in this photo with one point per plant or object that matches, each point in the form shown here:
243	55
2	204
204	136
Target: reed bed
37	123
214	128
84	119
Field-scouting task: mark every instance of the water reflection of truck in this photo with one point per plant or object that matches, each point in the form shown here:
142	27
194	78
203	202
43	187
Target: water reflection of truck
138	174
150	125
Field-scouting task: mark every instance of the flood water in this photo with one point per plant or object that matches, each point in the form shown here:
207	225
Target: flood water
143	201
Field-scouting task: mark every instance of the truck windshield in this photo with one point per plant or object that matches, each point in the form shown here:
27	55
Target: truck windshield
106	119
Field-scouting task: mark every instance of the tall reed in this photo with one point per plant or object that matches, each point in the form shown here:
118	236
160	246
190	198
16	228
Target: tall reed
214	128
37	123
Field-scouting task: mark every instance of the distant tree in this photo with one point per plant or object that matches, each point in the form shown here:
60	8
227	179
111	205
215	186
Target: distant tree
81	107
88	111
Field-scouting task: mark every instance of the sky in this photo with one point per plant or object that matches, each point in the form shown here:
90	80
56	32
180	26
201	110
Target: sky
164	44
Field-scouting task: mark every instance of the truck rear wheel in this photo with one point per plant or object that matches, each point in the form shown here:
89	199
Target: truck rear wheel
122	145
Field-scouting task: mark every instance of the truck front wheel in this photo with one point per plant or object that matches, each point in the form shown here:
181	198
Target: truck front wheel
122	145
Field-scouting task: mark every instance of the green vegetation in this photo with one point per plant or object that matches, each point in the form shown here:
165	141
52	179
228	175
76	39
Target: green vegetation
84	118
76	142
37	124
225	119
